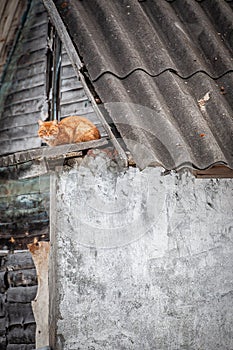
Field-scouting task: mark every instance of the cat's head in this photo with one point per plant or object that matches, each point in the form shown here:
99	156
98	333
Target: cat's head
48	131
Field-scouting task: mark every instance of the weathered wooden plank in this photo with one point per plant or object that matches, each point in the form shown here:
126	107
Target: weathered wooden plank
217	171
3	342
38	15
35	214
67	72
19	145
29	71
20	132
15	188
29	58
71	96
32	81
3	4
3	287
52	152
64	57
102	131
3	323
21	157
79	108
41	21
6	20
22	334
25	71
21	241
21	347
38	168
24	220
17	261
21	294
2	305
20	120
15	22
33	206
27	107
29	100
40	8
70	83
22	278
25	95
24	170
37	30
8	173
23	229
7	38
38	42
19	314
9	23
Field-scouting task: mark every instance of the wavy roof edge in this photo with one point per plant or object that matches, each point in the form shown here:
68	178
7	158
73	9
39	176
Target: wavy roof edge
153	35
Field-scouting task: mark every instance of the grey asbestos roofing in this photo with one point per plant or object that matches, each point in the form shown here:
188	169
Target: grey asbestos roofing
164	72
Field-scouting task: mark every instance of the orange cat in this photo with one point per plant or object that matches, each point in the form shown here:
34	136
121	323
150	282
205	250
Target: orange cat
69	130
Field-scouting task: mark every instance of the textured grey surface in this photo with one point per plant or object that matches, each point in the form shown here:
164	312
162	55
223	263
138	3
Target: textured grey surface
184	36
160	60
23	90
73	98
141	261
18	287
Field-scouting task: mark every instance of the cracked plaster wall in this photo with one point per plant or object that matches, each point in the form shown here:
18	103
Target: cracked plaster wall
140	261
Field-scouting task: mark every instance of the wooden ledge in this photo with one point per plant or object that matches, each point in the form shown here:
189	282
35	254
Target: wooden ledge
215	172
47	152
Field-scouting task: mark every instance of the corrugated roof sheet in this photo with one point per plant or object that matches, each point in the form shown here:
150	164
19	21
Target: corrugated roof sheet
164	71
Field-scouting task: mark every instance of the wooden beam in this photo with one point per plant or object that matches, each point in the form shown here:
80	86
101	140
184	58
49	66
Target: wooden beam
217	171
47	152
40	305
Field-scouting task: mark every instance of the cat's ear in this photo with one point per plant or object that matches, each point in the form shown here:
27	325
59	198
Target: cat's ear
54	122
40	122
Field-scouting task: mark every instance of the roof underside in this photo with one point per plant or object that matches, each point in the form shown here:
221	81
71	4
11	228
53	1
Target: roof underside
164	72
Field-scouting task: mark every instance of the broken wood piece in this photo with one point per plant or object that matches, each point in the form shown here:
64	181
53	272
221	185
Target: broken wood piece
40	305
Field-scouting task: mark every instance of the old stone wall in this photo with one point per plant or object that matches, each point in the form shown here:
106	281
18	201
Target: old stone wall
18	287
140	260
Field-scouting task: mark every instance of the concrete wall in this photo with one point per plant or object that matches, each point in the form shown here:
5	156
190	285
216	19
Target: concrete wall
140	261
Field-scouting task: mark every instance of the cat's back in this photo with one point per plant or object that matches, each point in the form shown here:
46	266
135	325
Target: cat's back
74	121
78	129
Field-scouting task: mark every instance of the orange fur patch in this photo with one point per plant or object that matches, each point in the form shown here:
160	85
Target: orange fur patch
72	129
